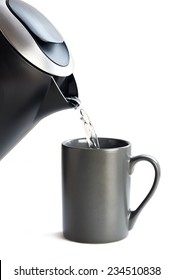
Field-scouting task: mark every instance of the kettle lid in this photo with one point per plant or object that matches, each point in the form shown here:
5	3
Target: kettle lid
35	38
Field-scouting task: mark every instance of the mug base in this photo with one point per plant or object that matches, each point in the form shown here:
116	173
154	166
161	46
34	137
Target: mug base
91	240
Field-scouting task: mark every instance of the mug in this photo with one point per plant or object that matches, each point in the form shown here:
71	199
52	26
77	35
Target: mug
96	190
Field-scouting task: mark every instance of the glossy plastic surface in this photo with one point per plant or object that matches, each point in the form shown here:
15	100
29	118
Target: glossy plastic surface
35	21
35	38
45	34
26	96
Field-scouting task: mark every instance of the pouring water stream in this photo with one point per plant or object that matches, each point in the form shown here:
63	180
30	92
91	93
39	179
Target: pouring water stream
91	135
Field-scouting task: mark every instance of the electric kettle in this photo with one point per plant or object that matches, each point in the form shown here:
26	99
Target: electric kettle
36	71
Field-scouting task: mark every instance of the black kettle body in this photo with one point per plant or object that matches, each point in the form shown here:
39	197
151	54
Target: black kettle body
35	71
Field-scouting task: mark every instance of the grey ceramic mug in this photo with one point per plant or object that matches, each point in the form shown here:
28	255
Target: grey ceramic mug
96	190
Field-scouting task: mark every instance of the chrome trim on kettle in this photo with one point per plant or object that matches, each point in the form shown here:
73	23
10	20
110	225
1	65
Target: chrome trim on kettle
21	39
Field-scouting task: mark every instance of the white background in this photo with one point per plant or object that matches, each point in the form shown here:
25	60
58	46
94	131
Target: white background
123	53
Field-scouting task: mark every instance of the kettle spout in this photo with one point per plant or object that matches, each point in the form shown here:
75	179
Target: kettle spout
56	98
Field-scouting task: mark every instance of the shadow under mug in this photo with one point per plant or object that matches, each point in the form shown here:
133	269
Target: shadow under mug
96	190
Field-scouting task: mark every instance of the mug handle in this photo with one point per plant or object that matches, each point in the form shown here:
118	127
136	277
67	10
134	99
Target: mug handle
134	214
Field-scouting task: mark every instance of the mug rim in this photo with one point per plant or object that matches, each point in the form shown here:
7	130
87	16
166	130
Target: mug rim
106	143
